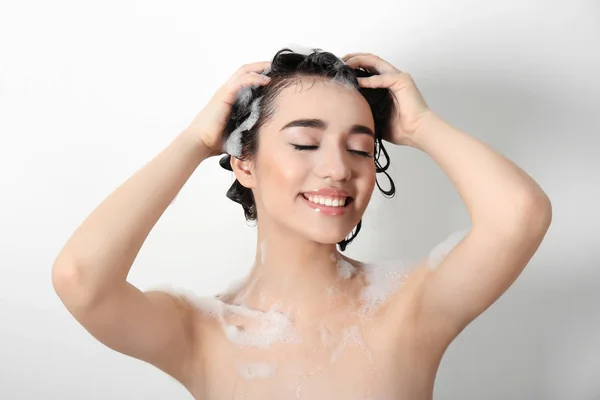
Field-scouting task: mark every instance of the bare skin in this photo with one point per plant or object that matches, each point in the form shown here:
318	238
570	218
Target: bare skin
386	355
393	351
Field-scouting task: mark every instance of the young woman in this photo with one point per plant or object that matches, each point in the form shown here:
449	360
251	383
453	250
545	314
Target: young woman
308	322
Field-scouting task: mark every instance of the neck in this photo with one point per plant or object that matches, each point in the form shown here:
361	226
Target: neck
298	275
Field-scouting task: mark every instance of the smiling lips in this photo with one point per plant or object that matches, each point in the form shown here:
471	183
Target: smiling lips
328	201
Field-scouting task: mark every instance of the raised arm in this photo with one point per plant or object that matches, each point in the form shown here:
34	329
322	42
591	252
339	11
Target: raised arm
509	214
90	273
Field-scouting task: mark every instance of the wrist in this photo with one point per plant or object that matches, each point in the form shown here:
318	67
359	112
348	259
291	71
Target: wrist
430	123
194	143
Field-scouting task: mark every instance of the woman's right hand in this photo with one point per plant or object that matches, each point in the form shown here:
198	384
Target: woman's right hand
211	121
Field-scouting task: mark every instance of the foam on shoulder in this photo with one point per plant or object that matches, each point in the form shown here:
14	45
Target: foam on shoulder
260	329
442	249
257	370
383	279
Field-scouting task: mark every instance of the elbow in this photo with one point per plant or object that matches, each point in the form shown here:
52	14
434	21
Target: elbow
63	273
537	212
527	215
531	219
66	278
69	284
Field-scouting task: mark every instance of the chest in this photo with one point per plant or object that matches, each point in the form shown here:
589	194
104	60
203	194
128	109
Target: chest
355	361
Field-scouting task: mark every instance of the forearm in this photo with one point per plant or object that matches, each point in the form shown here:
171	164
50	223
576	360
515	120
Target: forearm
496	192
103	248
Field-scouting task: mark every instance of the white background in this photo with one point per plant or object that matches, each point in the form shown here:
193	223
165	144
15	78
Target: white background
90	91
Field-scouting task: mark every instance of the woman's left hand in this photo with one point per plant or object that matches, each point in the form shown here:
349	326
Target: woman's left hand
410	106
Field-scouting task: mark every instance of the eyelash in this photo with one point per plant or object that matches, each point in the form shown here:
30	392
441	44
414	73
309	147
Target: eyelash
299	147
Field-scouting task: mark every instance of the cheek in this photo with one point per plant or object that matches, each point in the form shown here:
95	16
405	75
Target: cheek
279	171
367	180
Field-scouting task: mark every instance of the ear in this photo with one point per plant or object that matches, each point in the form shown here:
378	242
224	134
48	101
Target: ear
244	172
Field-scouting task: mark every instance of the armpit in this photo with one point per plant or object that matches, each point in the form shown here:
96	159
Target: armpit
442	249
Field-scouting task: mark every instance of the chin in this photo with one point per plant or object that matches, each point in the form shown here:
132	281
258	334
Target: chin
329	235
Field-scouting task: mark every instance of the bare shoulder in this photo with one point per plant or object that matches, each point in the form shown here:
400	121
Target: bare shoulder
179	303
392	293
182	339
153	326
404	286
197	315
390	288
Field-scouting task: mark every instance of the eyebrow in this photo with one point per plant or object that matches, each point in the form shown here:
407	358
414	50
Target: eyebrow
320	124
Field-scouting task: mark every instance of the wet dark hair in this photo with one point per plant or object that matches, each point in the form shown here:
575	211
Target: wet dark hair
288	68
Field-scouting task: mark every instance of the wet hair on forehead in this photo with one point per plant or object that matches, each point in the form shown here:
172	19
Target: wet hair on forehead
256	105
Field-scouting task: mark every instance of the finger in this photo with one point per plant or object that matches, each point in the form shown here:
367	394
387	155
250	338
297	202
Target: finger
257	67
350	55
378	81
255	78
231	90
371	62
249	79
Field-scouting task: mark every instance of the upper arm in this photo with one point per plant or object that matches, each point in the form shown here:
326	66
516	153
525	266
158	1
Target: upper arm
154	326
477	271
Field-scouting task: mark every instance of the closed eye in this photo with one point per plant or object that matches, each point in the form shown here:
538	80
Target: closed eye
357	152
301	147
361	153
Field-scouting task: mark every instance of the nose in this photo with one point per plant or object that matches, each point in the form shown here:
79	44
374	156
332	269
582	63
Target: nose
334	165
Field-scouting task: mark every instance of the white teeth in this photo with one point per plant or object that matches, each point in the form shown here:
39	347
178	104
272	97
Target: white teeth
327	201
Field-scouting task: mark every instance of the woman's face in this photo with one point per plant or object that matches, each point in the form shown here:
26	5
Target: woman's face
314	172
